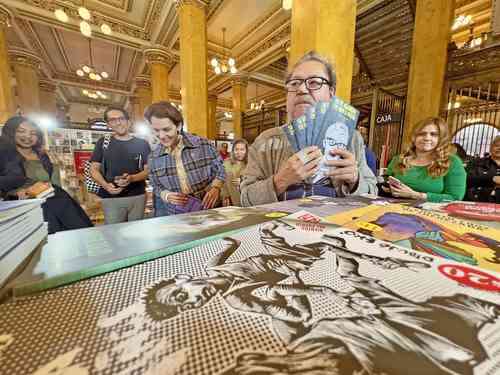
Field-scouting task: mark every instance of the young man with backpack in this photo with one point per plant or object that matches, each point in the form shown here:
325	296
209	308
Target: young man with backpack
119	165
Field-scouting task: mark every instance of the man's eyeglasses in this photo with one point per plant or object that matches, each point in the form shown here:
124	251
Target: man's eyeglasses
116	120
312	83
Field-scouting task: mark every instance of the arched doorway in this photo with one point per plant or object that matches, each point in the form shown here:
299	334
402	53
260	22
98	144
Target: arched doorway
476	138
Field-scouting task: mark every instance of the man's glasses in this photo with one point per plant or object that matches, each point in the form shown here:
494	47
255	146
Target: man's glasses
117	120
312	83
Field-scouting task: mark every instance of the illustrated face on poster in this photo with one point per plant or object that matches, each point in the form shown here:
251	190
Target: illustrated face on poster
336	136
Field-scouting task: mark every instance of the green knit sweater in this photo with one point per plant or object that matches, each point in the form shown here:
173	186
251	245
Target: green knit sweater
450	187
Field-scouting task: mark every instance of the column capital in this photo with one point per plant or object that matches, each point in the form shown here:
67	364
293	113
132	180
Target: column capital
21	57
240	79
212	96
143	81
5	16
160	56
197	3
46	85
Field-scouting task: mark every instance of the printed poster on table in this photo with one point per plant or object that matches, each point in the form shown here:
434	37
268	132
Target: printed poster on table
427	231
272	299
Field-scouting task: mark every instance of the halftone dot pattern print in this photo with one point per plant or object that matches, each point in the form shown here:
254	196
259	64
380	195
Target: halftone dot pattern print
105	316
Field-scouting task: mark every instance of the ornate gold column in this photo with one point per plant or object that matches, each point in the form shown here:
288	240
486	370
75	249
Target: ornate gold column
193	38
48	97
48	104
7	107
240	83
426	79
142	98
161	62
26	67
212	112
327	27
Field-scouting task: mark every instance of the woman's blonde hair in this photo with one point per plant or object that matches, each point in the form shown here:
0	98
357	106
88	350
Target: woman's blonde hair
441	154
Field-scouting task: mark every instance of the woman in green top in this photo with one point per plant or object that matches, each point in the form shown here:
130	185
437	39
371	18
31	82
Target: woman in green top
427	170
233	167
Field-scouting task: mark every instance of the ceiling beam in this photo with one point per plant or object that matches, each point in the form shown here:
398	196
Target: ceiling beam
61	48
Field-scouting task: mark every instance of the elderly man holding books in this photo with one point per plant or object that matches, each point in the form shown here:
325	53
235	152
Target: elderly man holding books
276	171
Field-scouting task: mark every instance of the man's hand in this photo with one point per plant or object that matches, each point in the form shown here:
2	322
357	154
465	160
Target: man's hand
211	197
343	170
123	180
496	180
112	189
297	168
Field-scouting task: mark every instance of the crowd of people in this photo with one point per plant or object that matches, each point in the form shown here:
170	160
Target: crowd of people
188	173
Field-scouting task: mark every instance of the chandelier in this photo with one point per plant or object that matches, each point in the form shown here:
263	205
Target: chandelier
85	16
95	109
223	65
461	21
90	70
287	4
94	94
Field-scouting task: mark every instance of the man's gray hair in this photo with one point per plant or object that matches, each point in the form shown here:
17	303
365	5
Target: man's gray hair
315	56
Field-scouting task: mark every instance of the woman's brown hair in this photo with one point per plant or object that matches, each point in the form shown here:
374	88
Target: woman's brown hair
441	154
164	109
233	156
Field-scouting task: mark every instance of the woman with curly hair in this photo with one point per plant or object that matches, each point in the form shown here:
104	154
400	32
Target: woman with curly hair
427	170
24	163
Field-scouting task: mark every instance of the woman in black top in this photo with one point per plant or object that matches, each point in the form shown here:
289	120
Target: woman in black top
23	162
483	181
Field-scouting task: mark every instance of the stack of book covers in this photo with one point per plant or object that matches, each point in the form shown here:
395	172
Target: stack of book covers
22	229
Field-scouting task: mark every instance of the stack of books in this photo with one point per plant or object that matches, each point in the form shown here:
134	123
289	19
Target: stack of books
22	229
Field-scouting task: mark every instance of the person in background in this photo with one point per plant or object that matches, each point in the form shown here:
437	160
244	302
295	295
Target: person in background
224	153
460	152
483	181
233	167
275	173
371	158
24	163
427	170
121	169
186	171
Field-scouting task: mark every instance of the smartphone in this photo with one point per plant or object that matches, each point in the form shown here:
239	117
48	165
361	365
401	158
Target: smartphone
393	181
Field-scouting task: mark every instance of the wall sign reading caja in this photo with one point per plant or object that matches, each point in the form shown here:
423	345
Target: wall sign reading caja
387	118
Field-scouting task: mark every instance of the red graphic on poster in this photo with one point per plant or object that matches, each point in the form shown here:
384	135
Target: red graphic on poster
470	277
80	158
474	211
309	218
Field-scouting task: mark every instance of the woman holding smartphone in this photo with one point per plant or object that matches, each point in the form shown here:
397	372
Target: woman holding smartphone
427	170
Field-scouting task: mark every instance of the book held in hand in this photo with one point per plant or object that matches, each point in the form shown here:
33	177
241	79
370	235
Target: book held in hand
40	190
327	125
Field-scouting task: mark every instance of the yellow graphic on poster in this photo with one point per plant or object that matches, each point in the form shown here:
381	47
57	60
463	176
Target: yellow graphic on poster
427	231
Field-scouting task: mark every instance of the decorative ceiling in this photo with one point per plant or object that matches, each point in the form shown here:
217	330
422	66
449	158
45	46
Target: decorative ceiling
258	33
